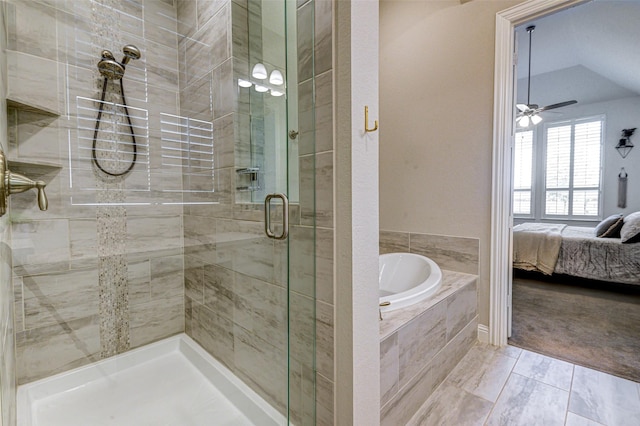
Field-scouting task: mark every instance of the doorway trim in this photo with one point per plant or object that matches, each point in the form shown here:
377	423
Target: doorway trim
502	168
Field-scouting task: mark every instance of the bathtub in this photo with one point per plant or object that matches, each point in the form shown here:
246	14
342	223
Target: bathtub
405	279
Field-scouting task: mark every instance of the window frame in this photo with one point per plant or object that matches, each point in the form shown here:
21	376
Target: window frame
571	188
539	171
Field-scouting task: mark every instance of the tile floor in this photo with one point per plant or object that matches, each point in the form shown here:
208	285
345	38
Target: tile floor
512	386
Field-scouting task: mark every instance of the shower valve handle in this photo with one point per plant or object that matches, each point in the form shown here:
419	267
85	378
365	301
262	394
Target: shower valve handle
14	183
19	183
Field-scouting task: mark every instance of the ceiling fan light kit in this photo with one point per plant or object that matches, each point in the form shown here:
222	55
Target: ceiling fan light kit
529	113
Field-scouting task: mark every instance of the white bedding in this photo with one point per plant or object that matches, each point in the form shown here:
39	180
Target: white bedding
536	246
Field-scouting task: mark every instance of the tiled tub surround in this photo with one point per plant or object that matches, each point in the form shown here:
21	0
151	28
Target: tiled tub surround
459	254
421	344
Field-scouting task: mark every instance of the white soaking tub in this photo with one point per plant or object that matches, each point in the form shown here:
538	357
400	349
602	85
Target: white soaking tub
405	279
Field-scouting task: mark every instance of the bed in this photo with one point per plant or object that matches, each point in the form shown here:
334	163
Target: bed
576	251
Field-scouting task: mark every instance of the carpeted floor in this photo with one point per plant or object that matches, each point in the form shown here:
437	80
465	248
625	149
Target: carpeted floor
588	323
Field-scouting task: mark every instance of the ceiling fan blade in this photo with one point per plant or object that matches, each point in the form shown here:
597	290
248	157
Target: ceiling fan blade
522	107
558	105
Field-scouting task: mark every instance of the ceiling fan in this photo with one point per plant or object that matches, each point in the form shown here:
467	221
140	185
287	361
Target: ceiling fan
529	113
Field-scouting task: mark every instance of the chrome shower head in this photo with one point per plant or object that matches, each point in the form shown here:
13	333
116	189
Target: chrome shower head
130	52
109	67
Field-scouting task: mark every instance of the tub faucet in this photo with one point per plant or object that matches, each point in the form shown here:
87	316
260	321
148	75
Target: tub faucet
380	310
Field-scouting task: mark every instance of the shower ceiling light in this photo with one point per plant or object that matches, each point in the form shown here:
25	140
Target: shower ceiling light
244	83
276	78
276	93
261	89
259	71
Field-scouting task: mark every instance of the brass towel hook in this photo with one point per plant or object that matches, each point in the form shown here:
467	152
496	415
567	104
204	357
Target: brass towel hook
366	121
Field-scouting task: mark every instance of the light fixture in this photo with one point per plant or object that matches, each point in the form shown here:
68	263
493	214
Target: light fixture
276	93
529	113
625	146
261	89
244	83
259	71
276	78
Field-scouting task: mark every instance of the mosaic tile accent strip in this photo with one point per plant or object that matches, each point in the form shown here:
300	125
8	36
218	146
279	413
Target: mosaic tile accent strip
113	273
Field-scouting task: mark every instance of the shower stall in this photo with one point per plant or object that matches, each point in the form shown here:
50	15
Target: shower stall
181	220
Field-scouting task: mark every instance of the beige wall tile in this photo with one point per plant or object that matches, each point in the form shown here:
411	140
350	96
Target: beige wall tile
34	81
32	28
325	330
453	253
47	350
389	368
60	298
219	290
462	307
40	246
324	401
394	242
262	365
420	340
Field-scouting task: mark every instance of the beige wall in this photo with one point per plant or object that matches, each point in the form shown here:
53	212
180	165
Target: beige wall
436	121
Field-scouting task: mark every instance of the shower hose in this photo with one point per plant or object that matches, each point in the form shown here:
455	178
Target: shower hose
95	132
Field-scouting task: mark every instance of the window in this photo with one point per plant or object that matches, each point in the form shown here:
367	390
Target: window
569	174
523	173
572	176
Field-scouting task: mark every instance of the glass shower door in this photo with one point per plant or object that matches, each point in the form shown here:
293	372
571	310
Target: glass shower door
281	148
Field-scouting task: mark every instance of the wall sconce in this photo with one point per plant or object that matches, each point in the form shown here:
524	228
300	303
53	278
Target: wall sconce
625	146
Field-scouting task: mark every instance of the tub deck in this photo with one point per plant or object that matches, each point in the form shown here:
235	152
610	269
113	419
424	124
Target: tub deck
451	282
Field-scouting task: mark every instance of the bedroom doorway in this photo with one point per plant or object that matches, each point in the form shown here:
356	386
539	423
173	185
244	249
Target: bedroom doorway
527	296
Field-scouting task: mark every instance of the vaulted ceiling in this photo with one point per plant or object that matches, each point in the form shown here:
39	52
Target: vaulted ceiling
590	52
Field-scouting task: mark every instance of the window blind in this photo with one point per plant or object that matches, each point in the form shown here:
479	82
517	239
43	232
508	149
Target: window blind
523	172
572	169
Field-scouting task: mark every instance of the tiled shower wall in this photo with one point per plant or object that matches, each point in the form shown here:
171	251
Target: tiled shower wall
7	337
91	281
234	277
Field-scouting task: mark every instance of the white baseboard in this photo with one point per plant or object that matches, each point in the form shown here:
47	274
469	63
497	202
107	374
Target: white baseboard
483	333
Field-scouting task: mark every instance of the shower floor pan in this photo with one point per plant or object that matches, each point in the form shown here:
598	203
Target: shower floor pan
171	382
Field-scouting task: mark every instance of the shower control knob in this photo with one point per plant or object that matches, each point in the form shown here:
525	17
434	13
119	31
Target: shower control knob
19	183
14	183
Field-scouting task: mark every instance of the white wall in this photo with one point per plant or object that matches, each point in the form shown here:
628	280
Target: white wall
436	120
357	339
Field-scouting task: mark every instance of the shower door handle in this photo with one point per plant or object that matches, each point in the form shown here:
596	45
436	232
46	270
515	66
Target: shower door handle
285	216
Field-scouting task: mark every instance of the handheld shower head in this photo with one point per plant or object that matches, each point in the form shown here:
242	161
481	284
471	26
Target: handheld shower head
130	52
109	67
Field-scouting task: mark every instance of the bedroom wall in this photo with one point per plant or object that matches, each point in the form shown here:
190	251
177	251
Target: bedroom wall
436	121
